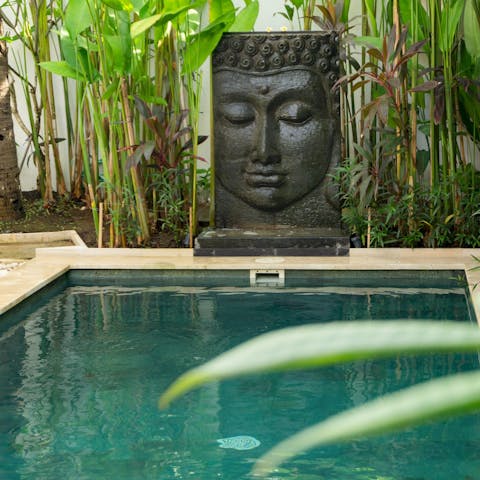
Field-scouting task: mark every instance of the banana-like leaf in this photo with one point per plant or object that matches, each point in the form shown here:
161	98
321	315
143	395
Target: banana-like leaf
471	28
120	5
450	18
218	8
121	53
77	17
203	44
315	345
63	69
144	24
246	18
433	400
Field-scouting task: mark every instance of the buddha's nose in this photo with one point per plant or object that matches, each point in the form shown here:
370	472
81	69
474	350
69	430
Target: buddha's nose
266	143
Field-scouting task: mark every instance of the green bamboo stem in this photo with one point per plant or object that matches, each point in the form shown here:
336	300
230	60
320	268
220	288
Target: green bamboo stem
85	157
141	211
451	130
434	131
413	100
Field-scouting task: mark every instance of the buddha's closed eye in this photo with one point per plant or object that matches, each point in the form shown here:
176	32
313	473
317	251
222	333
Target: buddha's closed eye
238	113
296	113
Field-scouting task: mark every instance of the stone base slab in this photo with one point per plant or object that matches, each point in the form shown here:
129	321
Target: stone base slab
300	242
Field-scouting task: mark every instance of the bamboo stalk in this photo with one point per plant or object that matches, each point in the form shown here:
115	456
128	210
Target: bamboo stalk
137	184
190	238
434	131
100	226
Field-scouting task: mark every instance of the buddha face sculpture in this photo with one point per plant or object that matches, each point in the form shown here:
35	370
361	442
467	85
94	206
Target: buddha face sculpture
275	122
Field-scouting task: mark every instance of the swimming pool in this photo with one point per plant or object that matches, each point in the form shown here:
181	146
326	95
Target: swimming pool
82	370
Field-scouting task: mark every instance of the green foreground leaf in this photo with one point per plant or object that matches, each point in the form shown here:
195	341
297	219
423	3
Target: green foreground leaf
433	400
315	345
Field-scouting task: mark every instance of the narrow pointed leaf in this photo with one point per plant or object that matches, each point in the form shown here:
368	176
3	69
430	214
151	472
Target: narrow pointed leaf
315	345
425	86
433	400
370	6
373	52
142	107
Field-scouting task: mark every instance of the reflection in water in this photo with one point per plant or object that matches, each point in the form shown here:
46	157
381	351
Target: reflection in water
83	375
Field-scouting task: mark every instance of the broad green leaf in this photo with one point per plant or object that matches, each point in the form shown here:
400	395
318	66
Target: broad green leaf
139	4
143	25
110	91
219	8
203	44
62	68
246	18
433	400
416	18
450	18
471	28
121	53
422	160
68	47
200	49
367	41
77	17
121	5
470	111
173	5
76	54
315	345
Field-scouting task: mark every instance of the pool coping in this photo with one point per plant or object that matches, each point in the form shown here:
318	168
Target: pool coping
50	263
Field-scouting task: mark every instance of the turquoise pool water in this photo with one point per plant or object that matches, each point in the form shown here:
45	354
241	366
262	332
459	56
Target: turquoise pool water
80	376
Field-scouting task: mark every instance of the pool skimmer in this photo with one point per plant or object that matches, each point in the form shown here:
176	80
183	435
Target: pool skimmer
267	278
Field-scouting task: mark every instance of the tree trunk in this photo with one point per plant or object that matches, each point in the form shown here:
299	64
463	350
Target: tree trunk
11	206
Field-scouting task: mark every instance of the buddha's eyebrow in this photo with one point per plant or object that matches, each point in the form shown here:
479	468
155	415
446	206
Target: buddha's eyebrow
233	97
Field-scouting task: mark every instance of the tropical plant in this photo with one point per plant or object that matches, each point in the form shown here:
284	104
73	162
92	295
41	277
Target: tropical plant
116	51
317	345
299	13
395	83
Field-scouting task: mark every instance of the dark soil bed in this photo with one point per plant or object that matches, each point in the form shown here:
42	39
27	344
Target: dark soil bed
65	215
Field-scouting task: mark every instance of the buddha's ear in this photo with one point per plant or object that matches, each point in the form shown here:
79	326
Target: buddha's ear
330	188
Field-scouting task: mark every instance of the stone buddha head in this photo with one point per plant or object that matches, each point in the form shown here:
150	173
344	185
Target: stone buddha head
276	124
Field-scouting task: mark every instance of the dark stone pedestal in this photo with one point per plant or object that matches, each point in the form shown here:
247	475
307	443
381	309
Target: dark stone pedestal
300	242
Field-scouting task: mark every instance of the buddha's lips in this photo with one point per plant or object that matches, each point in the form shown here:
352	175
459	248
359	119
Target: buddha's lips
264	178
